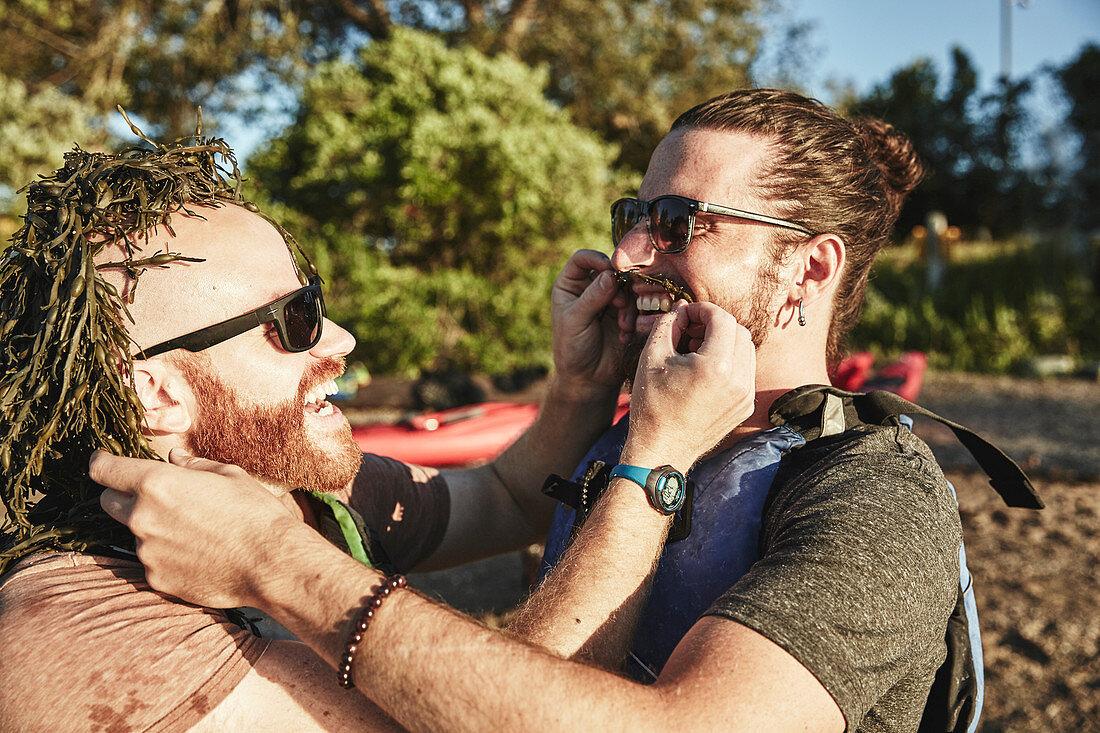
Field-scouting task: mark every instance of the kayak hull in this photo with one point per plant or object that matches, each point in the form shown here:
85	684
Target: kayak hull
480	436
473	434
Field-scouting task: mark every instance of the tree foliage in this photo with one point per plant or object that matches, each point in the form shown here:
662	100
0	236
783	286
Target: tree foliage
441	157
407	321
624	68
36	129
971	142
1080	80
446	189
158	58
628	68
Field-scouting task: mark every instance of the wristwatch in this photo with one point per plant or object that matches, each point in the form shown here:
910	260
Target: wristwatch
664	486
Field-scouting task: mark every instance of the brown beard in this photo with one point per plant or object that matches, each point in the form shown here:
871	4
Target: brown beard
268	441
752	313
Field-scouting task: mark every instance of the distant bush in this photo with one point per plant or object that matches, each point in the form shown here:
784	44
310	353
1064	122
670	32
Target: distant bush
441	158
36	130
407	321
997	306
441	192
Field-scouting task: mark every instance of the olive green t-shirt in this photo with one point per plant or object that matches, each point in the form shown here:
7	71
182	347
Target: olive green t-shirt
859	572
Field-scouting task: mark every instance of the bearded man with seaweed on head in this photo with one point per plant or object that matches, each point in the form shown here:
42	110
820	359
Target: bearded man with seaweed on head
86	643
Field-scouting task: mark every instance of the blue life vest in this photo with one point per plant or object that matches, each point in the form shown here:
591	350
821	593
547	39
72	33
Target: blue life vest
729	493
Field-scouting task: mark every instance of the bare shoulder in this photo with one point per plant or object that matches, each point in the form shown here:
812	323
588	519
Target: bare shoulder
89	631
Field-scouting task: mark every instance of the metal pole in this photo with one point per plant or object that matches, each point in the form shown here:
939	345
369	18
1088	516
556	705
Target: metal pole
1006	38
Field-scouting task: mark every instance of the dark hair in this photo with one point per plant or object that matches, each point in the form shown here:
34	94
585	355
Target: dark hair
832	175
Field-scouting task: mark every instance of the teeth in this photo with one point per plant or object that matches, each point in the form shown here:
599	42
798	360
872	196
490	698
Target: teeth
650	303
320	392
318	395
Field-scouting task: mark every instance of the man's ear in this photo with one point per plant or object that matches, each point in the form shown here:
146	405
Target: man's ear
165	397
819	263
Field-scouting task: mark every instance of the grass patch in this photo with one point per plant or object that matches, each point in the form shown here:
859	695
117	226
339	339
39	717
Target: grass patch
998	305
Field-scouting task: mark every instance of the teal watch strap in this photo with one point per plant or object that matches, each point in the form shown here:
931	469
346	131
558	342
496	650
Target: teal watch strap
664	486
636	474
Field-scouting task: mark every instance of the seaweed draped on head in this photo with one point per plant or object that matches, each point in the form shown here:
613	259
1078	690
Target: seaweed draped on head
65	363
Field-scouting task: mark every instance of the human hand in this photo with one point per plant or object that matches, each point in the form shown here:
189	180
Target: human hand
586	339
685	404
201	526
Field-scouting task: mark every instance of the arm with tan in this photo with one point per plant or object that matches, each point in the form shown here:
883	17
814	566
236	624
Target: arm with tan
590	604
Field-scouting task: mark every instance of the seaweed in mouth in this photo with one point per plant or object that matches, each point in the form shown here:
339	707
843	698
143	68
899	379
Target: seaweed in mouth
626	277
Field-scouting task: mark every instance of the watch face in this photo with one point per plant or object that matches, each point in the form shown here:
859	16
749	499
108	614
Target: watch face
670	490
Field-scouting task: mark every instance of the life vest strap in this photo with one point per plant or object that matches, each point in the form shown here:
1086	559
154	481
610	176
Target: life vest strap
811	410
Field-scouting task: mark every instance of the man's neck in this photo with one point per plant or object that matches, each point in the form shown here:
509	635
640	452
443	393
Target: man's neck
291	499
778	371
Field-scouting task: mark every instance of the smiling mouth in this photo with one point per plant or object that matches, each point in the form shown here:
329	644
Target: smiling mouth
316	400
653	303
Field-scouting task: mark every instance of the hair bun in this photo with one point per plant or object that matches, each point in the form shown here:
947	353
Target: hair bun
894	155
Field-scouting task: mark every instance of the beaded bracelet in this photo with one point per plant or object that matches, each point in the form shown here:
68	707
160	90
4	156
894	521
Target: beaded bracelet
388	586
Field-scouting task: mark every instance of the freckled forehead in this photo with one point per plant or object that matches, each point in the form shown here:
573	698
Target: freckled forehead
707	165
246	260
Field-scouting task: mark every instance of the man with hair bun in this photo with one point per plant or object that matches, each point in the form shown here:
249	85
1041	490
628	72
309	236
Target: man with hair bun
807	598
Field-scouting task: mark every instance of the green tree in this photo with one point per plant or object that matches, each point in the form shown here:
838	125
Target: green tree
1080	79
159	59
628	68
446	190
441	158
624	68
970	142
36	129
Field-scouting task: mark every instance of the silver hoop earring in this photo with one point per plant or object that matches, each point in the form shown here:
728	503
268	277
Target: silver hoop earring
801	314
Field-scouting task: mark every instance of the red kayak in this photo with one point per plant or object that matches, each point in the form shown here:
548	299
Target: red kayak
902	377
456	437
853	371
477	433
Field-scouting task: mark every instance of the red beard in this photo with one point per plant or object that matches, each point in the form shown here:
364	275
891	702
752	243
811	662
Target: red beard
269	441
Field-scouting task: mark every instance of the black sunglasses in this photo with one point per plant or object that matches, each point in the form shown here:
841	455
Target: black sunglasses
297	317
670	220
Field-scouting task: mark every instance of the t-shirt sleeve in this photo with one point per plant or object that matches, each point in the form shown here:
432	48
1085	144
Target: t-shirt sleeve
86	644
859	571
407	506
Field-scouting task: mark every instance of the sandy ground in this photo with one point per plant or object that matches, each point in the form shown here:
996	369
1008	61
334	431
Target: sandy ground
1038	573
1038	576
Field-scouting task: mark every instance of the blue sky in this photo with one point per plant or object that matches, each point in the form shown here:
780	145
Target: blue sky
862	41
